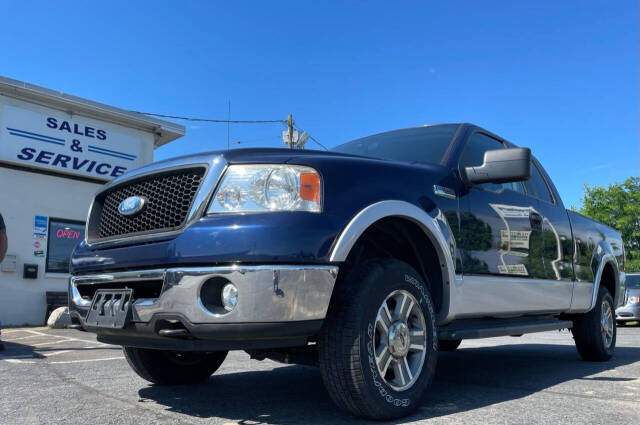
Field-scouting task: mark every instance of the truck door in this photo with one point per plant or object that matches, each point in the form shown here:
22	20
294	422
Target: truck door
501	234
557	239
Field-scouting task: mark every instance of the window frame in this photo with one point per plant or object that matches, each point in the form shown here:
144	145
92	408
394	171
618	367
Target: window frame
535	164
66	221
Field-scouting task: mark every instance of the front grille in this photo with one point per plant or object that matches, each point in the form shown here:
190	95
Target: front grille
168	198
141	289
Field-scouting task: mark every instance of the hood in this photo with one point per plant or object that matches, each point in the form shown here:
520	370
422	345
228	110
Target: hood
217	160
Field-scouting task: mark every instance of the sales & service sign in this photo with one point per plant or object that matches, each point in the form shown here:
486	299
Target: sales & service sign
74	145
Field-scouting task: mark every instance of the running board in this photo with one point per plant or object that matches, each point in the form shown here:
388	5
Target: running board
488	328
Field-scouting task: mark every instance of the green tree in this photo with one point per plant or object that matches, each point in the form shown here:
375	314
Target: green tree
618	206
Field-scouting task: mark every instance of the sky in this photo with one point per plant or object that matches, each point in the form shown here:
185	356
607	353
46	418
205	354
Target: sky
560	77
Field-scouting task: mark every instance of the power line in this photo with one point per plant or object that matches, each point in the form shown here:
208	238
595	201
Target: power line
312	138
175	117
229	121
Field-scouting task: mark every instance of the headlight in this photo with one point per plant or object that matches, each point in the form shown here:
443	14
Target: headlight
255	188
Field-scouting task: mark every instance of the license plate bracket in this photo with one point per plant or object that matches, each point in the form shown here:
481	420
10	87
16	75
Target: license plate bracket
110	308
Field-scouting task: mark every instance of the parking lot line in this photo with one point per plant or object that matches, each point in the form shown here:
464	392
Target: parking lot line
66	337
21	359
55	353
87	360
20	339
9	331
36	332
50	342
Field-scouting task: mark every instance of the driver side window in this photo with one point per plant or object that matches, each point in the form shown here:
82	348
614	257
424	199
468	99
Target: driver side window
473	156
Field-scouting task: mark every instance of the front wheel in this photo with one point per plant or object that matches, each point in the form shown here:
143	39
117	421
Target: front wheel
173	367
595	332
378	345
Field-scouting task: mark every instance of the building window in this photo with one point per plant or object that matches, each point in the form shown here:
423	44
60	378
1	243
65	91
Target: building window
64	235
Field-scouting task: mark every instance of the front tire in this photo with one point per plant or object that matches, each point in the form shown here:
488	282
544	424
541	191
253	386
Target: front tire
595	332
378	345
173	367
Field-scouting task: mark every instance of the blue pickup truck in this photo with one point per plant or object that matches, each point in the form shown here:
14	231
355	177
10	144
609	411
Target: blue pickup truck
365	260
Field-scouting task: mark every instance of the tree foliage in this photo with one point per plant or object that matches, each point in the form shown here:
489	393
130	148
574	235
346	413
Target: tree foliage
618	206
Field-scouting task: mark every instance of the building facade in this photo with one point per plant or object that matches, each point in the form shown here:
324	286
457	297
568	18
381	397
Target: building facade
56	150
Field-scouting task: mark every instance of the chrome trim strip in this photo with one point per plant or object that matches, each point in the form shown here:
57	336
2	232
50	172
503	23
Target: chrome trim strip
155	274
76	298
215	167
266	293
429	225
500	296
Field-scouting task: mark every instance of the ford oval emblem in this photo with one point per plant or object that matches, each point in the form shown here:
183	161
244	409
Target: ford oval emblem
132	205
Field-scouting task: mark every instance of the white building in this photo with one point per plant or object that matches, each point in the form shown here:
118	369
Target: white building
55	152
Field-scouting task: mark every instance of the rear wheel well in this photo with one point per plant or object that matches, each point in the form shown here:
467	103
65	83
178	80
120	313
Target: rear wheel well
404	240
608	279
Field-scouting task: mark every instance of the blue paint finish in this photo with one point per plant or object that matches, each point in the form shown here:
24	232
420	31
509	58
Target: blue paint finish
281	237
265	238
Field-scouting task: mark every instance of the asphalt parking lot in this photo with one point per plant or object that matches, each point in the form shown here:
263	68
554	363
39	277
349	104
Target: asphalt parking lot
66	376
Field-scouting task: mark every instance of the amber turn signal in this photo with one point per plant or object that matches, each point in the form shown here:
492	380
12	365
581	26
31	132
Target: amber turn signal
310	187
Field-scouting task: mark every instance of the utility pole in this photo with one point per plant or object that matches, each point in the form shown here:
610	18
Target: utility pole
290	135
290	127
228	123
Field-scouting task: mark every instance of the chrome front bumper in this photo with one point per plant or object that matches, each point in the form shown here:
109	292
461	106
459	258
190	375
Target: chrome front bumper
265	293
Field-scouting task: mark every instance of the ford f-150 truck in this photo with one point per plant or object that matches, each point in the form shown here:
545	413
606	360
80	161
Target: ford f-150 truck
365	260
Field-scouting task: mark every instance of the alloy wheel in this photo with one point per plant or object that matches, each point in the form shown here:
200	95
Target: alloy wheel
400	340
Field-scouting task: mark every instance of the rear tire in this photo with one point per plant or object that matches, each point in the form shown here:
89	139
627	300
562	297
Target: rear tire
378	367
449	345
173	367
595	332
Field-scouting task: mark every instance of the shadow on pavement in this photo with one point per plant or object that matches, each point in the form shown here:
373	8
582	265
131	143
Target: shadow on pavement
14	350
467	379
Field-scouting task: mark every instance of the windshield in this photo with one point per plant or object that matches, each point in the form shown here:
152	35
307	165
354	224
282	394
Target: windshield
633	281
423	144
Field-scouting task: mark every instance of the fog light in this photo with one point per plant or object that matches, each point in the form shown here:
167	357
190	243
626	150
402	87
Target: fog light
229	296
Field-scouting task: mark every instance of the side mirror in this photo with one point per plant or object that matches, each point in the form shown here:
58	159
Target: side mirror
502	166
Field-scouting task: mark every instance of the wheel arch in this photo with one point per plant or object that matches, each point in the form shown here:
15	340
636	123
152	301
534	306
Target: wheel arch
607	273
431	232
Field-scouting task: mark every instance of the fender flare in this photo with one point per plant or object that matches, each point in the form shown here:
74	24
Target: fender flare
603	255
394	208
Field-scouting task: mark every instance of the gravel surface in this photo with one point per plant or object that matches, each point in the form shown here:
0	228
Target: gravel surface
65	376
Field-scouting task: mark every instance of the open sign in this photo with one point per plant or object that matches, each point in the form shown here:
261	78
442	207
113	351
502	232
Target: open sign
67	234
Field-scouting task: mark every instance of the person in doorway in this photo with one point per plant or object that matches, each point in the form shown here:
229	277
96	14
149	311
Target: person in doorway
4	244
